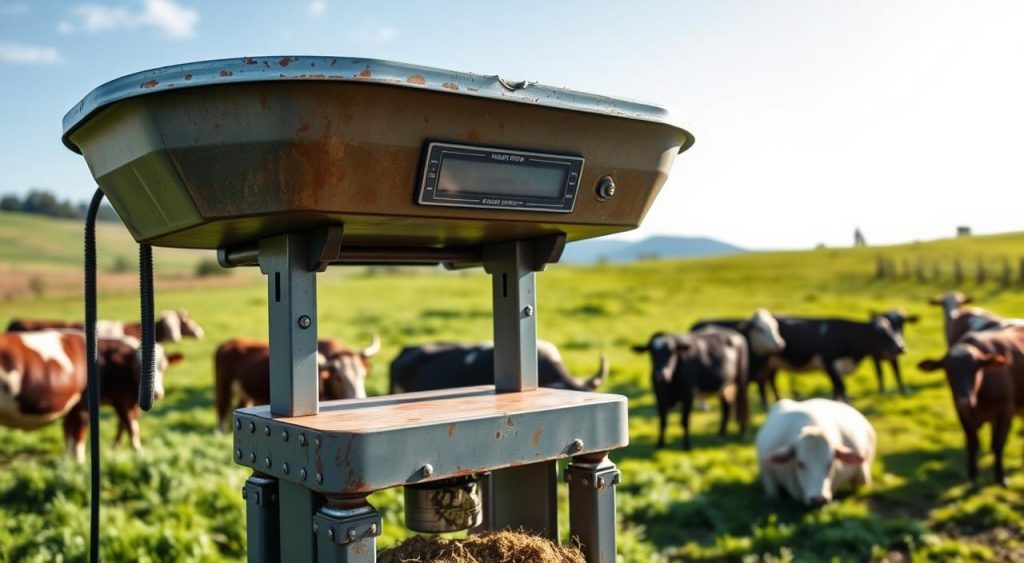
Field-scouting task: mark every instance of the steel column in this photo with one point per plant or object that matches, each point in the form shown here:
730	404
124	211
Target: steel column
261	518
291	298
592	480
525	497
513	286
347	535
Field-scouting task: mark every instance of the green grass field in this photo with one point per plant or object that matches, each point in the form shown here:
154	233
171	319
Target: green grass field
180	499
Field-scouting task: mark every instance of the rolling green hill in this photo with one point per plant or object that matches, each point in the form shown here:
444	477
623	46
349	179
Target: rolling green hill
179	499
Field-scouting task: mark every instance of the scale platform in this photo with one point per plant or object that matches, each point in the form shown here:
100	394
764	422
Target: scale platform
454	432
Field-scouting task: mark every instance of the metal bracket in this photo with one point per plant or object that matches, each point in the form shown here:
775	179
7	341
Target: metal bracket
324	246
592	479
347	535
261	518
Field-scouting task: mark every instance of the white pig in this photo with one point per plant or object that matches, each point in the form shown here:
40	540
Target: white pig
813	448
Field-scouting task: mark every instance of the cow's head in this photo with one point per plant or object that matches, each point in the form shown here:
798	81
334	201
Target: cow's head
898	319
548	352
189	327
886	341
965	367
762	330
951	300
816	457
665	350
343	374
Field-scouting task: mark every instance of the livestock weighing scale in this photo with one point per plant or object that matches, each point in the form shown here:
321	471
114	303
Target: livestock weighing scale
293	164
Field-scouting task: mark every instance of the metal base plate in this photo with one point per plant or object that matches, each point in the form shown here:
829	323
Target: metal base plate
357	446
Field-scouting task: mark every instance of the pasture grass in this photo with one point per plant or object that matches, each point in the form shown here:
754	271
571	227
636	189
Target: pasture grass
180	499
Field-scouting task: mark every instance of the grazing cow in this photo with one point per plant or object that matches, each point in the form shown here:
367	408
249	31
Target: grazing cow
959	320
445	365
811	449
835	345
985	372
42	376
898	319
120	362
712	360
169	326
242	369
763	339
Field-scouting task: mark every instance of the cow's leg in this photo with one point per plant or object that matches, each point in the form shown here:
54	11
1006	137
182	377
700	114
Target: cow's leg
725	402
222	401
879	374
895	363
1000	431
770	378
76	422
971	435
687	408
662	420
838	387
771	485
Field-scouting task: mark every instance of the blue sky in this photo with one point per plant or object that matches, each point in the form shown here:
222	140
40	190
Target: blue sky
812	118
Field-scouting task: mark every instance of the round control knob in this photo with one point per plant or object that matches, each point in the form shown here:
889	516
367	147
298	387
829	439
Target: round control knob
605	188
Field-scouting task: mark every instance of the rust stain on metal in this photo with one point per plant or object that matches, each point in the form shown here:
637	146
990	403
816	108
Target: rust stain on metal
416	79
450	86
509	423
497	435
473	135
365	73
451	429
249	61
263	100
149	84
188	76
535	439
226	73
285	61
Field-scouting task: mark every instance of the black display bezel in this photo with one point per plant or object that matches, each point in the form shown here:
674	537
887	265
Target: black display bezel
433	161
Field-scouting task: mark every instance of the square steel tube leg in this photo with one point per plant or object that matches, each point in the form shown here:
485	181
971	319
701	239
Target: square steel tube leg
514	290
291	300
592	483
261	518
298	505
525	497
347	535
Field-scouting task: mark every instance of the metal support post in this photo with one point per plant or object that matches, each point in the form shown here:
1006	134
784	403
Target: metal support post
513	285
291	297
347	535
592	479
525	497
261	518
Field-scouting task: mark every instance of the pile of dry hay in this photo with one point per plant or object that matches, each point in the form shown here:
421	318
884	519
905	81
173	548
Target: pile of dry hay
492	547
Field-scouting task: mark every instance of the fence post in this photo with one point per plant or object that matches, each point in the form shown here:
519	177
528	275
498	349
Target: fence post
982	273
958	273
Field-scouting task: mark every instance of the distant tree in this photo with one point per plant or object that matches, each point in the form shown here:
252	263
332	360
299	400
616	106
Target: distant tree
10	202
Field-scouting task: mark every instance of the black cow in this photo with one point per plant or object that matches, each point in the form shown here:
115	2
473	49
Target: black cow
710	361
447	365
898	319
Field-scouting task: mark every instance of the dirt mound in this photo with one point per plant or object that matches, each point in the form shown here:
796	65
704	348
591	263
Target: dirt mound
493	547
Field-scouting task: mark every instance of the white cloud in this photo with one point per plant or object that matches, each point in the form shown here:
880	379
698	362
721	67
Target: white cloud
172	19
373	34
317	7
20	53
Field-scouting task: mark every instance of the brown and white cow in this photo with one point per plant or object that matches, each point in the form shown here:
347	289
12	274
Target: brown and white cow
42	376
985	372
170	326
120	362
242	373
958	320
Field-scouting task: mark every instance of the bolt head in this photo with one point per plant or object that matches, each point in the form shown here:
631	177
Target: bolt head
285	468
284	435
238	424
266	430
330	534
605	188
373	530
351	535
305	322
302	439
252	457
238	453
316	528
528	310
319	478
427	470
316	442
245	493
266	461
302	474
576	446
252	427
600	482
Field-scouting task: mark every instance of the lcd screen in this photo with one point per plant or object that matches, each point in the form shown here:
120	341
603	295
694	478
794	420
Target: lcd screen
476	176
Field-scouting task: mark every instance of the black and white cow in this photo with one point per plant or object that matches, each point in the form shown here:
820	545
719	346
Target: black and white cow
710	361
761	332
447	365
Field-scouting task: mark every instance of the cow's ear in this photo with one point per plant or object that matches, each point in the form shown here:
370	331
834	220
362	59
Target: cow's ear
641	348
930	365
848	456
785	454
993	360
175	358
911	318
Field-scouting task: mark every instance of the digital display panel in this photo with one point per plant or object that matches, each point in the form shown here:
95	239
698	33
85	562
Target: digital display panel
456	175
479	176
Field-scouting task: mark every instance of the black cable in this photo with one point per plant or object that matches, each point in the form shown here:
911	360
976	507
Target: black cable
146	382
92	375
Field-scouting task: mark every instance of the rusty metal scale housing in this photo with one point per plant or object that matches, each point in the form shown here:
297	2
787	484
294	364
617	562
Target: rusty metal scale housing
295	163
